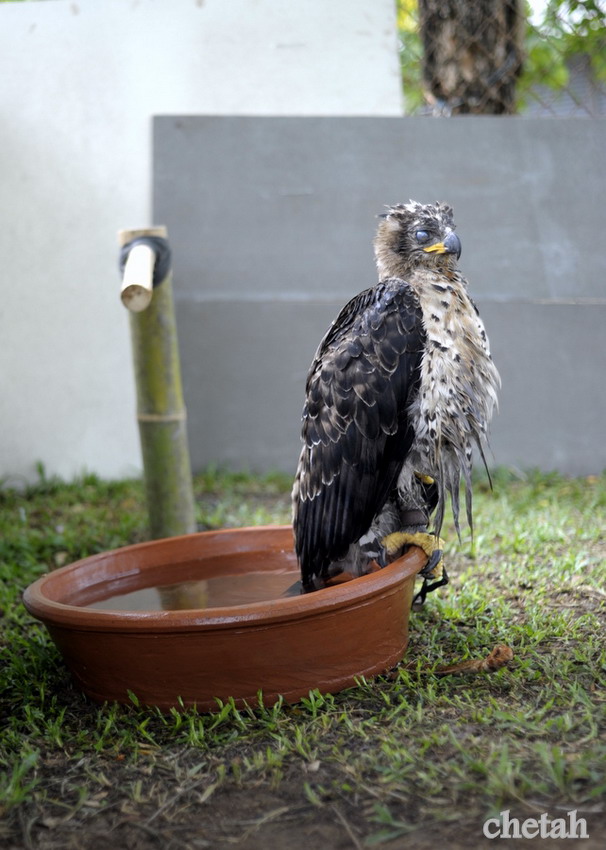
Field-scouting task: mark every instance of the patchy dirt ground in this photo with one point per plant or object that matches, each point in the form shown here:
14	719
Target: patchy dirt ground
189	818
184	799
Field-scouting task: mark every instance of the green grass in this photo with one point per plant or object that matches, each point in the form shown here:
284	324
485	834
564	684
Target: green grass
410	753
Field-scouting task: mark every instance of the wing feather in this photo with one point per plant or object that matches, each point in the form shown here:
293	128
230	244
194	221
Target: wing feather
356	425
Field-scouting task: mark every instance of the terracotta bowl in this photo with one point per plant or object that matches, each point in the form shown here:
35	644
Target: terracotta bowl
191	655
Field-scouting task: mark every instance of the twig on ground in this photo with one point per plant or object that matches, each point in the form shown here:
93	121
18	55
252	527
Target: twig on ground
499	657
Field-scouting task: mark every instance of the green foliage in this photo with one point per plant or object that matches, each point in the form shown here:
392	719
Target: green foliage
17	784
411	54
567	28
579	26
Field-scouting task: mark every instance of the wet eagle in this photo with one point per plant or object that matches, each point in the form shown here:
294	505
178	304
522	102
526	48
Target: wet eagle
400	391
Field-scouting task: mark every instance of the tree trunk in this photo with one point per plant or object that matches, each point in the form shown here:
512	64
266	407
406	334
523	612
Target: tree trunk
472	54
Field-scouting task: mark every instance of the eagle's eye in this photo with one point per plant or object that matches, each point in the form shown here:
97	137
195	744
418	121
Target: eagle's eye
422	236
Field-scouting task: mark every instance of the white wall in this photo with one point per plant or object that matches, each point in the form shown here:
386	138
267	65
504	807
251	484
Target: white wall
80	82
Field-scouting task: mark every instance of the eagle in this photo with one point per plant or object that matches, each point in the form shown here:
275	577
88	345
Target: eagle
401	390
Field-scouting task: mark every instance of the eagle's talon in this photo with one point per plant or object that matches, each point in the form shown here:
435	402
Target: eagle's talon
419	598
382	558
433	573
429	586
434	567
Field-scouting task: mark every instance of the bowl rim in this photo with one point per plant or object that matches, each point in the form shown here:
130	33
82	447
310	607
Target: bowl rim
354	593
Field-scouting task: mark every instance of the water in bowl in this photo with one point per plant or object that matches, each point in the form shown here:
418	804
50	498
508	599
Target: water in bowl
222	591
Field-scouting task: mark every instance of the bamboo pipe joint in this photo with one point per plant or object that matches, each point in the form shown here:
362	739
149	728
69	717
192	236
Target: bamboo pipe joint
145	261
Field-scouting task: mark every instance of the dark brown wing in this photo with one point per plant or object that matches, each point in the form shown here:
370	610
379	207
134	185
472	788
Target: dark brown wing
356	427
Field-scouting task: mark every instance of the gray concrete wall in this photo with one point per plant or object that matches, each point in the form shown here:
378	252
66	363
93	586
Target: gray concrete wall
79	84
272	220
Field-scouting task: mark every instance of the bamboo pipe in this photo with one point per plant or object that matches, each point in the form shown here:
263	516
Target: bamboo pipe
161	411
137	279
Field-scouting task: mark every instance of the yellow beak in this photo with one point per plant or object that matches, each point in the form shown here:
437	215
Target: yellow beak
438	248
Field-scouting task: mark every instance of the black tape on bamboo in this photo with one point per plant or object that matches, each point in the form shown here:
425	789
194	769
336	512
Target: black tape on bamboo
161	414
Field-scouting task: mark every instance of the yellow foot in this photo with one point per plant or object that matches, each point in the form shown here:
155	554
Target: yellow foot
429	543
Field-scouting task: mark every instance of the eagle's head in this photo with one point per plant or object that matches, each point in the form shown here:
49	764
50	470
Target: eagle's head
412	236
